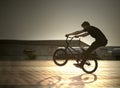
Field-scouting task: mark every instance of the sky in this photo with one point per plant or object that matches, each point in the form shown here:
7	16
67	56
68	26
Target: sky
52	19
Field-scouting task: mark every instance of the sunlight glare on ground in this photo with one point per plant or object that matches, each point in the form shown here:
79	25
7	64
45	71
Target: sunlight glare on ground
46	74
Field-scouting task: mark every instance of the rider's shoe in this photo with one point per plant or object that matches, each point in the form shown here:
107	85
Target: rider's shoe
78	65
87	63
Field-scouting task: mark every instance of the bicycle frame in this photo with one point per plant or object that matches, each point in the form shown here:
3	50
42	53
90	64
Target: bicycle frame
70	49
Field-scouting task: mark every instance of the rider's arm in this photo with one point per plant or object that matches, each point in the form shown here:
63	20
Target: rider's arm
85	34
75	33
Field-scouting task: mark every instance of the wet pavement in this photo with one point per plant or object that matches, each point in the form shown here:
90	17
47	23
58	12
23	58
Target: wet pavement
45	74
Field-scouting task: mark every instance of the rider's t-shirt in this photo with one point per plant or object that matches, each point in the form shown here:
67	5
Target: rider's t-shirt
96	33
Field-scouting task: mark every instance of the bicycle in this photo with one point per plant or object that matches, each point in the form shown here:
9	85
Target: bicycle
62	55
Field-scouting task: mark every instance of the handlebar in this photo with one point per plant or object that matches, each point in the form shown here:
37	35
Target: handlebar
71	38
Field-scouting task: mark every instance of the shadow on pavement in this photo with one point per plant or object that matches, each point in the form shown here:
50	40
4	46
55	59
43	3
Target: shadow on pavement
80	80
72	82
59	82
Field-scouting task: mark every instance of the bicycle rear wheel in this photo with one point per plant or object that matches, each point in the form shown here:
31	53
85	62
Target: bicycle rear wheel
90	65
60	57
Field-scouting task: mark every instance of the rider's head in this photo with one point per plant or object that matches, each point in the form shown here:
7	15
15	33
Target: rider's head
85	24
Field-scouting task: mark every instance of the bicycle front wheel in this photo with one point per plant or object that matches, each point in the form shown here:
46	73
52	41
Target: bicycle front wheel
90	65
60	57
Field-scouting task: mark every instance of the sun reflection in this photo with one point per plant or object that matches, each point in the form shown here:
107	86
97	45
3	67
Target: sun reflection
69	68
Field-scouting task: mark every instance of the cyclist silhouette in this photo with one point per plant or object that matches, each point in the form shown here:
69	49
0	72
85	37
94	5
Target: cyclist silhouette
100	39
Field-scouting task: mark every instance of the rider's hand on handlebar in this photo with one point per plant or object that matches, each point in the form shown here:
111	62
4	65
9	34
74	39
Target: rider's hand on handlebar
67	35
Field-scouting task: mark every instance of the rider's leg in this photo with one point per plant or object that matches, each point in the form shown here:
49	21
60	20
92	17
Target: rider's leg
93	46
85	54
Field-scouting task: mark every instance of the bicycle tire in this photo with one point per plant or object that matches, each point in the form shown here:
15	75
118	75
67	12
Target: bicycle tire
91	59
63	57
